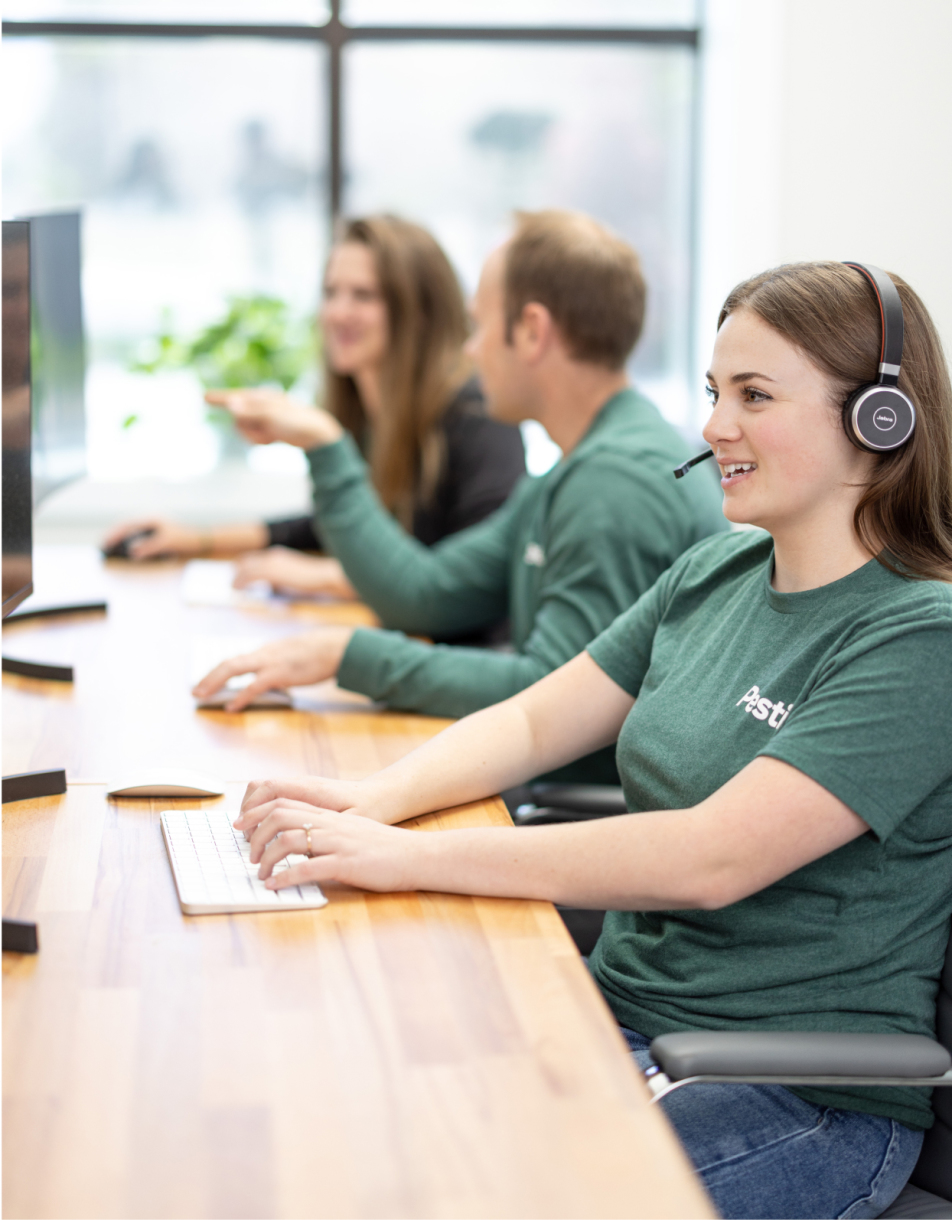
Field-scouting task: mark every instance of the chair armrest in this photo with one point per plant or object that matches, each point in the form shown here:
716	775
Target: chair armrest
596	800
529	815
770	1053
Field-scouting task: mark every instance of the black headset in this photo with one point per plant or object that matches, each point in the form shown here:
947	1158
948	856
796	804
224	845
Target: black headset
877	417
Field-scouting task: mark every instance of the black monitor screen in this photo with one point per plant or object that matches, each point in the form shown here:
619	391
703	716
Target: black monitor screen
59	365
17	495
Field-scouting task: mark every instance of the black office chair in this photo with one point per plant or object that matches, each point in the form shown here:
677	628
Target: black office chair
548	804
815	1059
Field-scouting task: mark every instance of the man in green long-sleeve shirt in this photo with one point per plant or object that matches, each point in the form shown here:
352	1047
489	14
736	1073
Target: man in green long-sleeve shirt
557	312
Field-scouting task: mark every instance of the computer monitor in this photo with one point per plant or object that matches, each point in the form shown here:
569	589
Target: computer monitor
58	352
17	493
18	502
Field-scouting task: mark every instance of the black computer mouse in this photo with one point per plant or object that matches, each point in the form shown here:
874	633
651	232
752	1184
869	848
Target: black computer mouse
120	549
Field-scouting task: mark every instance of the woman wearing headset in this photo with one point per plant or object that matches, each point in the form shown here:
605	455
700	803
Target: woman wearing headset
780	699
393	324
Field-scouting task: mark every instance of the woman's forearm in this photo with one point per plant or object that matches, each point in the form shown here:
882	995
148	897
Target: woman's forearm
504	745
708	856
233	539
477	757
610	863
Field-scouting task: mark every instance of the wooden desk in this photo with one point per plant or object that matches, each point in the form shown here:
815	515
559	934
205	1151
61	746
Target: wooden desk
391	1055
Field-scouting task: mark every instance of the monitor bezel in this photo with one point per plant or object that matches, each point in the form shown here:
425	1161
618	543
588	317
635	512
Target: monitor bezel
20	595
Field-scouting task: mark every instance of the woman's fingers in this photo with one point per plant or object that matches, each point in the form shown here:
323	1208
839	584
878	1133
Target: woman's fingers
355	851
305	872
255	795
288	842
303	790
282	815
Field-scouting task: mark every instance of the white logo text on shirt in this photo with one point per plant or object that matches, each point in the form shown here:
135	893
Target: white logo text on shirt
760	708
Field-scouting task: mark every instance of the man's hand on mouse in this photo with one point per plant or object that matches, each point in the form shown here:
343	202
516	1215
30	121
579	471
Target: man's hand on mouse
300	660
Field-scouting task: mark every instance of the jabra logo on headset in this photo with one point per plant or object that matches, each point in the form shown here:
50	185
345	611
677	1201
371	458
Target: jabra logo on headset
884	418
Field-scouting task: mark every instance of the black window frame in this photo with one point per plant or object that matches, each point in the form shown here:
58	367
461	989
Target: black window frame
336	35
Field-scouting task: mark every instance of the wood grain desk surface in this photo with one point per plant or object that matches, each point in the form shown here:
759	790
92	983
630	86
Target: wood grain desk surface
390	1055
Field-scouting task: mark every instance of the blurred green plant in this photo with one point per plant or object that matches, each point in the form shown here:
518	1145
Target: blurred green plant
256	343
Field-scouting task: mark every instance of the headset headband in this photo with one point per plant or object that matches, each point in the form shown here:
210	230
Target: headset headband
890	311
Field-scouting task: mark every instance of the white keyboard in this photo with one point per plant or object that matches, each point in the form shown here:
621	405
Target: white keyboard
213	874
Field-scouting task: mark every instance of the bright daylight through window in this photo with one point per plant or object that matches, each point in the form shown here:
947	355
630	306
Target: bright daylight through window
207	169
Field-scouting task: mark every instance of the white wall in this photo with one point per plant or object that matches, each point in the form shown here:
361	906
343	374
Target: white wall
826	130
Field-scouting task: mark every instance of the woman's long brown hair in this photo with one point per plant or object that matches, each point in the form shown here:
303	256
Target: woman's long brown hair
829	312
423	368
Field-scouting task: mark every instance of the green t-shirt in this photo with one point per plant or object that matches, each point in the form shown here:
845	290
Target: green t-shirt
849	683
563	557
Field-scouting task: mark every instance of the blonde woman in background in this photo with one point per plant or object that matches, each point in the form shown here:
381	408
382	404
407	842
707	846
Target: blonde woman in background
393	322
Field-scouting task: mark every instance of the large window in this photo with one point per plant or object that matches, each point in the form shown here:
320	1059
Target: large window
210	143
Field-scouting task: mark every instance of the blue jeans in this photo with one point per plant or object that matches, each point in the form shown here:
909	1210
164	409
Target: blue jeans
763	1152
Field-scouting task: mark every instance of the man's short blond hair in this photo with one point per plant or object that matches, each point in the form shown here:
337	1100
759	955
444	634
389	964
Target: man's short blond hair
587	277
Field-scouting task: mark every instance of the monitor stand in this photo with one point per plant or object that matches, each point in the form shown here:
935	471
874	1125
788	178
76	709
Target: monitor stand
47	610
29	785
20	936
39	669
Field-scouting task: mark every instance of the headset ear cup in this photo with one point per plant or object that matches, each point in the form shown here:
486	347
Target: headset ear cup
848	418
879	418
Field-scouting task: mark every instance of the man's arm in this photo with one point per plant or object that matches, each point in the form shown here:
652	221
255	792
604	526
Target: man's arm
601	558
459	585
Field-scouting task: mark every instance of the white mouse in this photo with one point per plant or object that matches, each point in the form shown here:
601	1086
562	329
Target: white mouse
165	781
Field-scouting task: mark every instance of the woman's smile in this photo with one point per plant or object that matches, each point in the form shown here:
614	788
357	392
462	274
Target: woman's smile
733	473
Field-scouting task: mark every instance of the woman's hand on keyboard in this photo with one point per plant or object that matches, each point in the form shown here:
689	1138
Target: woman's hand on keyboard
349	850
261	796
299	660
367	798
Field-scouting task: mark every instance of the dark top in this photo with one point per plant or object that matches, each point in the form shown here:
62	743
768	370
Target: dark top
484	460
